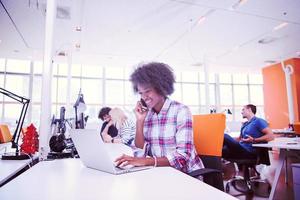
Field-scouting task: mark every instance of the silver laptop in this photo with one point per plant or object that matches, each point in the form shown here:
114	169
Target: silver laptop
96	154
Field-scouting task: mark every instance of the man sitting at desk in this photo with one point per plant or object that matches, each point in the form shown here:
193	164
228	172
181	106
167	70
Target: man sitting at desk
255	130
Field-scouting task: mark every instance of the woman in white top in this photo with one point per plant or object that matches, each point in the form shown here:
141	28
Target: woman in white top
126	128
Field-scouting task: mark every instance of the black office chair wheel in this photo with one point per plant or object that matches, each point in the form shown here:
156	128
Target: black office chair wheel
242	186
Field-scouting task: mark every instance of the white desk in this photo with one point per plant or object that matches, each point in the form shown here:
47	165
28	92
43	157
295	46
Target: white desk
69	179
283	132
285	146
9	168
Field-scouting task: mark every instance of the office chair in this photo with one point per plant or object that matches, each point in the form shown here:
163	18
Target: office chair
208	139
297	128
246	183
5	135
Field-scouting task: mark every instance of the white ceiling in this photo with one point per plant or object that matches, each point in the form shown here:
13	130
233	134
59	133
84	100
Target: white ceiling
122	32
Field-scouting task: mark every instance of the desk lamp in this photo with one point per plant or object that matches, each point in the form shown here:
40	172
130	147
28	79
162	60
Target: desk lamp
15	139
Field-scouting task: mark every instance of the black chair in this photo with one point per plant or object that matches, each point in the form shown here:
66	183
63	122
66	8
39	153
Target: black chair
246	184
212	173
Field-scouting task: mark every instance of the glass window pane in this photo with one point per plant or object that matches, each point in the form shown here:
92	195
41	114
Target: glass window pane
255	78
190	76
237	113
240	78
62	69
59	88
177	95
38	67
202	94
260	112
211	78
91	71
2	64
241	95
195	110
1	80
127	72
130	97
18	84
114	72
55	69
37	89
190	94
12	111
75	88
1	109
202	77
92	91
18	66
212	94
76	70
177	76
35	114
256	94
223	109
114	93
225	95
62	90
225	78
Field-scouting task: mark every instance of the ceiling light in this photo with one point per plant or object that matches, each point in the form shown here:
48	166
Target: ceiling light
78	28
270	61
237	4
280	26
267	40
204	17
62	53
201	20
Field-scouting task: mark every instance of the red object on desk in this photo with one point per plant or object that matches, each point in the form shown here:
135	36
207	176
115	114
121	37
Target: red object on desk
30	140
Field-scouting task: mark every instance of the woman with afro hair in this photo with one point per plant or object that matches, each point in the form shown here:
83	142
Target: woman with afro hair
163	126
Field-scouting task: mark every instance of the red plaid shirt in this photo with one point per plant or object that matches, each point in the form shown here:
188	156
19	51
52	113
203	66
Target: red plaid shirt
170	134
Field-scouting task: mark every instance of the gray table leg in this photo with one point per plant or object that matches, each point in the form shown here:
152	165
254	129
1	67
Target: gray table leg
277	174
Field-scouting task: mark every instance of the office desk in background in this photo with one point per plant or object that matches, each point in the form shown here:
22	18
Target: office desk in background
69	179
286	147
284	132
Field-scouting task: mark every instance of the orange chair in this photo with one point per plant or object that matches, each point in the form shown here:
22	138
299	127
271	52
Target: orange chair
208	139
5	135
297	128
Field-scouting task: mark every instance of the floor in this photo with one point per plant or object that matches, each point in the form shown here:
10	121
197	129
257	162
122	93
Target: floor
283	191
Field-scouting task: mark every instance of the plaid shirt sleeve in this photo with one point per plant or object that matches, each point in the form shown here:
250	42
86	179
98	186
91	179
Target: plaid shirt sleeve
184	140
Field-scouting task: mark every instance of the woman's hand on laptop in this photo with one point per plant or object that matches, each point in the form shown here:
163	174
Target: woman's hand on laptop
125	160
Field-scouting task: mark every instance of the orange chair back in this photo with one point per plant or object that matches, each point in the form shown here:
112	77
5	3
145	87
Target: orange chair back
297	128
5	135
209	133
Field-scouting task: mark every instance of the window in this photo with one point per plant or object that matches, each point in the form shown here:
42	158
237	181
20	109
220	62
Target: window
241	96
114	72
18	66
110	86
18	84
92	71
190	94
256	94
114	92
190	76
92	91
240	78
177	95
226	95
